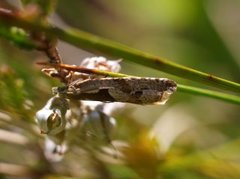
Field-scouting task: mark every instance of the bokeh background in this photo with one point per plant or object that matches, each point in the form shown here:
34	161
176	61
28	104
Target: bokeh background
189	137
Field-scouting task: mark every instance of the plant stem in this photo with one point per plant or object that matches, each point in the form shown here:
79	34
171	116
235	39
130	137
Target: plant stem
209	93
97	44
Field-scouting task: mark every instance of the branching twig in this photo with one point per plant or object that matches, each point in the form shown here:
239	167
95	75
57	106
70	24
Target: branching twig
33	40
94	43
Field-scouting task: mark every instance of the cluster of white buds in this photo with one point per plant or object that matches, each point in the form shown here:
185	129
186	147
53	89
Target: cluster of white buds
52	120
93	118
102	63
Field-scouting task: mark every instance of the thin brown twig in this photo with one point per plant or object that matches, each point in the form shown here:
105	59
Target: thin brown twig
53	53
47	45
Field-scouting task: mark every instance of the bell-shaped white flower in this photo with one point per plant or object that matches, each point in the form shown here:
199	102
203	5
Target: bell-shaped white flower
51	118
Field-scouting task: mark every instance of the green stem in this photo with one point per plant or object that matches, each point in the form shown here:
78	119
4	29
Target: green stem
209	93
97	44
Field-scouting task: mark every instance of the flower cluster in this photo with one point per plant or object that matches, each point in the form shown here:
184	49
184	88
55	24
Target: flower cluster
60	115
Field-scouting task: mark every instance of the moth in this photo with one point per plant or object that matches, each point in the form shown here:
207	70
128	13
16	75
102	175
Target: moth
136	90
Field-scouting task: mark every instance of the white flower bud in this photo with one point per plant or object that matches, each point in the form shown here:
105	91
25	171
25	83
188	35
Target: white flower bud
102	63
51	118
98	126
54	152
114	65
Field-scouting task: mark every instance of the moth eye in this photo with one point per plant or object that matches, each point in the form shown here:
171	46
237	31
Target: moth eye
53	121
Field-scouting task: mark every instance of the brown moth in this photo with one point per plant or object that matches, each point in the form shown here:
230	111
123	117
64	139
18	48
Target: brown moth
135	90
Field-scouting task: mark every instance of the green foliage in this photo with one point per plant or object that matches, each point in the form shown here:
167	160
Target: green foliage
18	36
12	90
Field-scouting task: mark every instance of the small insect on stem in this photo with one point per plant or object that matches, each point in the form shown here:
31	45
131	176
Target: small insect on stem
135	90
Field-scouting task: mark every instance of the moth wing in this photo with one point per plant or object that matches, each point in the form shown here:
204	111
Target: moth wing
118	94
95	90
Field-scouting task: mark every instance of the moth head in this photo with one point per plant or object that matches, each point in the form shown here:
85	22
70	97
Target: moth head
59	90
171	86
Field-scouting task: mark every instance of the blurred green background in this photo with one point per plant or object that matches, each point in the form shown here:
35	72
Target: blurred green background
189	137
